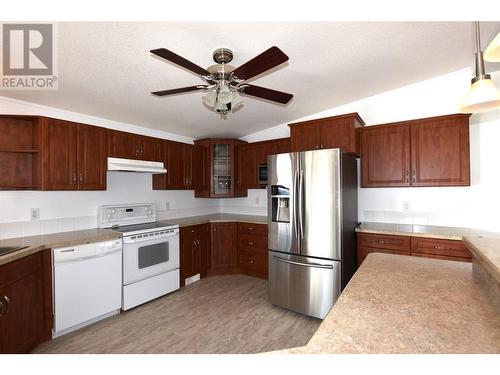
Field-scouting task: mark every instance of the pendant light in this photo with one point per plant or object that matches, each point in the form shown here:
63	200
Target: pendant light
492	52
482	94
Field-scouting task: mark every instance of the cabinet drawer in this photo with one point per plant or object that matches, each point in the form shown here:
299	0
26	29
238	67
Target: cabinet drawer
19	269
252	263
249	228
382	241
364	251
251	242
443	248
195	229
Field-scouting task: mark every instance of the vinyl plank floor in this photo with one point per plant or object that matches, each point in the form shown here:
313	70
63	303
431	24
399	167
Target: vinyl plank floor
219	314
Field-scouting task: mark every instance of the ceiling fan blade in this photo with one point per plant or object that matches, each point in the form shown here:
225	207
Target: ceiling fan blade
262	92
178	91
181	61
265	61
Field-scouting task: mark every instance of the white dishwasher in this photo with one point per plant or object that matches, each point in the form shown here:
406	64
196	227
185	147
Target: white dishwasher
87	284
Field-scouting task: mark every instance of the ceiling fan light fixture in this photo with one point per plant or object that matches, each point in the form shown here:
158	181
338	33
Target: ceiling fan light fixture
482	95
225	95
210	98
492	52
237	101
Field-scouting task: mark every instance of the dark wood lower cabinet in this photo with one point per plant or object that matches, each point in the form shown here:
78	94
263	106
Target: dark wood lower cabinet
252	249
26	298
412	246
194	251
224	247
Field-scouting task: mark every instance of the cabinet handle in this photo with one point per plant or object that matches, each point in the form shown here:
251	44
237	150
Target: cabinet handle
4	305
321	146
250	228
251	262
81	177
407	176
414	176
251	243
382	242
74	178
437	247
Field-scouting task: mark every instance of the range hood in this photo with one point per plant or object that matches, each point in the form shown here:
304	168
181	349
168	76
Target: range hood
131	165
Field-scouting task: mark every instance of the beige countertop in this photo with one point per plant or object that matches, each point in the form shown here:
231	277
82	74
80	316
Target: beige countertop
216	218
55	240
400	304
486	251
429	231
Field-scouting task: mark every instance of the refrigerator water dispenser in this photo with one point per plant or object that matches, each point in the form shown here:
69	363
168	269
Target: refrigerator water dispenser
280	204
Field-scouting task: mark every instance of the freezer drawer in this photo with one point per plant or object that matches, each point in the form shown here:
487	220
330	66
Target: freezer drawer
306	285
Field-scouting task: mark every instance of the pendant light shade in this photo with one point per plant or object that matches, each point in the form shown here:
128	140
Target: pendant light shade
492	52
482	94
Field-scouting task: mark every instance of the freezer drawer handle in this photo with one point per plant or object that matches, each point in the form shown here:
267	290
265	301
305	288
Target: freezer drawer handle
313	265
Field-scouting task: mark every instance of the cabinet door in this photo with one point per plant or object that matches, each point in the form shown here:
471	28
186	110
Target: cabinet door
188	167
123	145
199	176
59	155
204	248
440	152
385	156
25	287
91	157
186	249
248	166
305	137
175	166
339	133
224	251
151	149
281	146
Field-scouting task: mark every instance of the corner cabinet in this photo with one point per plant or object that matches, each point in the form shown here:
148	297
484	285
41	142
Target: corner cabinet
222	174
425	152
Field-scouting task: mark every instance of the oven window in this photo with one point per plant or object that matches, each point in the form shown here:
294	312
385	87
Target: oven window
153	254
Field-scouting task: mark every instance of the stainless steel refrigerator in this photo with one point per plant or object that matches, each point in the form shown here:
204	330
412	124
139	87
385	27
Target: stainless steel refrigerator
312	204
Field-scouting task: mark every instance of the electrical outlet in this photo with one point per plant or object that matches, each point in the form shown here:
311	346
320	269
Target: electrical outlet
257	201
406	206
35	214
167	205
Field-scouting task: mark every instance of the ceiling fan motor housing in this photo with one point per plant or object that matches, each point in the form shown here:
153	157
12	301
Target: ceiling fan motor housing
222	55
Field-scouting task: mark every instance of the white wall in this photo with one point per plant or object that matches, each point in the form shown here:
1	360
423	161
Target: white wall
475	206
63	211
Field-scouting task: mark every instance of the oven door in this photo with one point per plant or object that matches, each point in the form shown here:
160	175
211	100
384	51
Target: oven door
149	256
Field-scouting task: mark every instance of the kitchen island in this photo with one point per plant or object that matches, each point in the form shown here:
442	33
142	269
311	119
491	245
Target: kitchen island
401	304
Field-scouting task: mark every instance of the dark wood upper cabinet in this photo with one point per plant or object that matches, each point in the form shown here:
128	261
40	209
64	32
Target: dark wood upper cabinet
252	155
26	287
224	245
58	147
221	169
440	151
425	152
198	167
331	132
150	148
73	156
122	145
20	160
133	146
91	157
385	156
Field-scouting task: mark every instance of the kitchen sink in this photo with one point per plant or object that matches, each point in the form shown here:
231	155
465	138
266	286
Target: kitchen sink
9	249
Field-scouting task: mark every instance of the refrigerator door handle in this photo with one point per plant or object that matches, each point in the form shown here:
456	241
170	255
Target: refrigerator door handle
296	203
312	265
301	203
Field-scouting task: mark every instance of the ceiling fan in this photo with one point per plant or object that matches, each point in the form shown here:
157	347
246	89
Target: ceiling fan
224	83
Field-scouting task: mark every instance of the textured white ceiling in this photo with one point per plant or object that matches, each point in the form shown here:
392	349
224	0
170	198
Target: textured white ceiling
106	70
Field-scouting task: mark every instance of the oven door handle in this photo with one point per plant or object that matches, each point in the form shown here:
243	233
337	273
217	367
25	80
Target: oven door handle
162	238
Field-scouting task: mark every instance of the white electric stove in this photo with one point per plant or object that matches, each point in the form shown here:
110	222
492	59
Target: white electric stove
150	251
